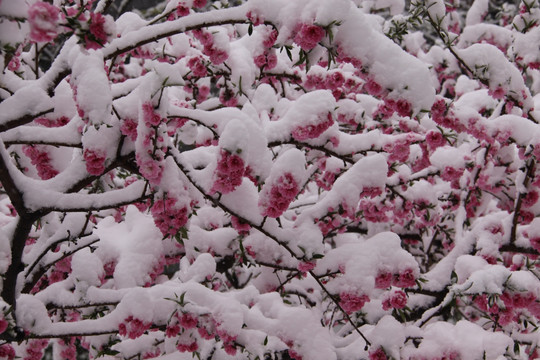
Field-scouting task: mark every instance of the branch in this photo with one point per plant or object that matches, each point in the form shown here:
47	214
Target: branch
151	33
25	119
515	219
260	228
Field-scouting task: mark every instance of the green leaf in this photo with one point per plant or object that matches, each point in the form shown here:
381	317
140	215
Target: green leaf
250	29
289	54
265	342
181	301
454	277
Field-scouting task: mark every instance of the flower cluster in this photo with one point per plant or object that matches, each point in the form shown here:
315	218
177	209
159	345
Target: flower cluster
68	350
197	66
377	354
403	279
396	300
95	161
312	131
151	149
352	302
133	327
277	197
308	36
391	106
183	325
129	128
7	352
229	173
39	157
43	19
34	350
169	214
217	55
240	226
268	60
100	30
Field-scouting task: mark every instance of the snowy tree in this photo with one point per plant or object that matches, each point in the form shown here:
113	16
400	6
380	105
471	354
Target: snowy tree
269	179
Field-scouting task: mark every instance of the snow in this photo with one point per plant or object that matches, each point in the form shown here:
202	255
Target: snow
36	101
135	244
380	55
95	254
474	342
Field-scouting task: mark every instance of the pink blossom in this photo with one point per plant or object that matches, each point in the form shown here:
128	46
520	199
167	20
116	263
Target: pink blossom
188	321
270	40
260	60
133	327
152	171
404	279
523	300
3	325
277	198
172	330
313	131
204	333
352	302
14	63
399	151
294	355
217	56
535	243
397	300
191	347
435	139
438	109
373	88
152	354
255	17
309	36
95	161
530	199
98	34
403	107
229	173
229	348
197	67
377	354
151	117
525	217
371	191
43	19
129	128
228	98
239	225
306	266
497	93
383	280
335	80
204	37
169	215
7	352
450	174
199	3
39	157
56	122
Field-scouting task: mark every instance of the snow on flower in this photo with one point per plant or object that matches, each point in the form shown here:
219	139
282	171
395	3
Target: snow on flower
95	161
308	36
43	19
283	184
229	173
352	302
